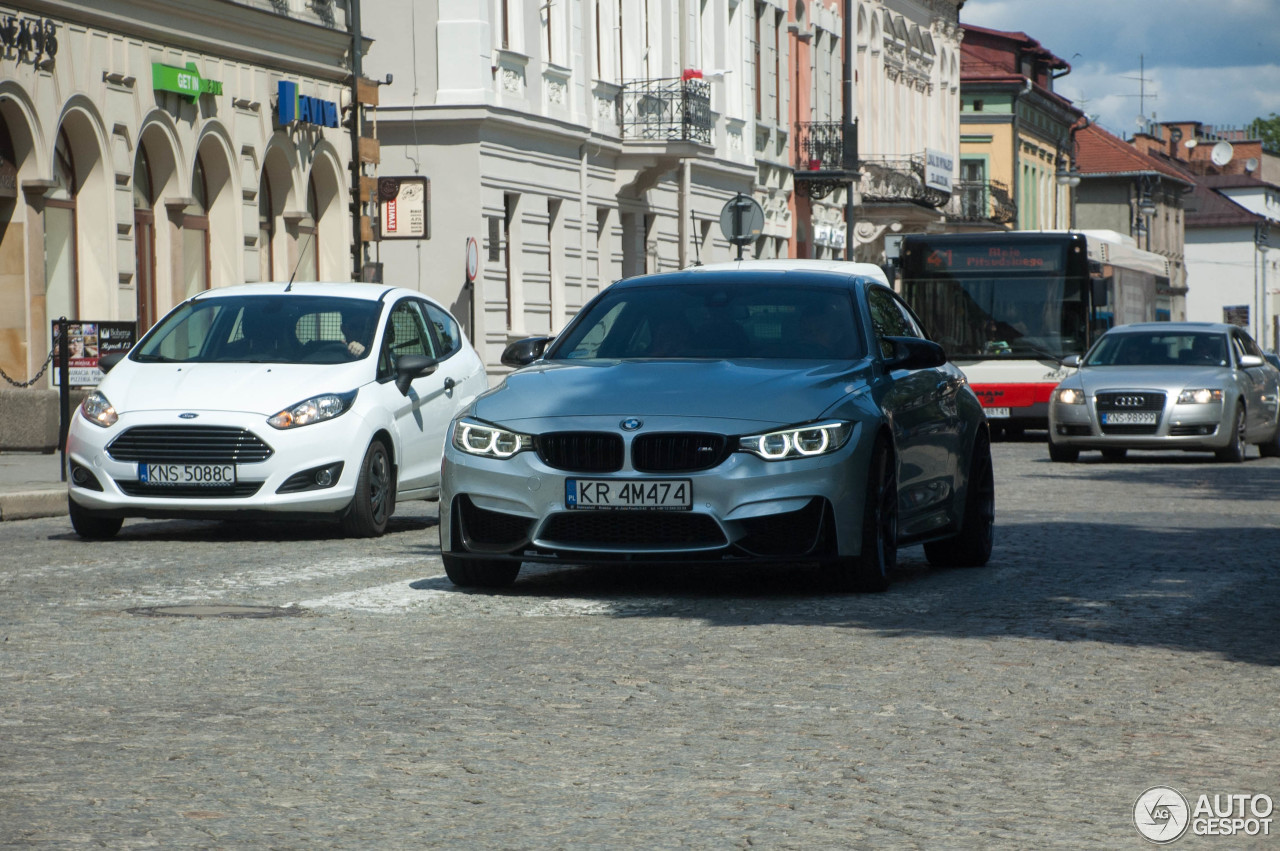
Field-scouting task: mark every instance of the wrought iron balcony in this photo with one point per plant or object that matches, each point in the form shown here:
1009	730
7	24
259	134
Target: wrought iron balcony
826	157
665	110
981	201
889	179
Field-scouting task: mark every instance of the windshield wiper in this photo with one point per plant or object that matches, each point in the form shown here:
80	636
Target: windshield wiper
1034	349
141	358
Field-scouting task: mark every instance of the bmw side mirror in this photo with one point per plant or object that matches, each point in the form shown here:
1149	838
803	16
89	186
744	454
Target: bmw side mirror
106	363
526	351
409	367
1250	361
1071	360
914	353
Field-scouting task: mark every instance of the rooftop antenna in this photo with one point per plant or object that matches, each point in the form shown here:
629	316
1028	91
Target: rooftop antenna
302	252
1142	86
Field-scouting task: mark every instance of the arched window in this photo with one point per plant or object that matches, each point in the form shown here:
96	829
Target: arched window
144	240
62	297
195	233
266	231
308	255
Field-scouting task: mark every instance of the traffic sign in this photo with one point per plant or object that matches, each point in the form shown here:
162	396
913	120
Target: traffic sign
741	221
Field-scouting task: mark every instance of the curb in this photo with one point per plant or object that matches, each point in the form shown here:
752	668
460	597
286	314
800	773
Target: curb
26	505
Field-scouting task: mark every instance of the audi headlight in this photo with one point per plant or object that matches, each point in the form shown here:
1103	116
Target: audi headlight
317	409
1202	396
488	441
799	442
1069	396
96	409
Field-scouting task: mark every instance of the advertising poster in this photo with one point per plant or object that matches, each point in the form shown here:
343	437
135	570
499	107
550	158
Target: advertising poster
86	343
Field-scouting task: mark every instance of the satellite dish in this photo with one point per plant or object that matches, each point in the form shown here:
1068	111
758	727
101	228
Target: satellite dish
1191	143
1222	153
1251	165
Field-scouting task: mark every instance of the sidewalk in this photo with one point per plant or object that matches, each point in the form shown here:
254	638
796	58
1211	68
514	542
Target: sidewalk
31	486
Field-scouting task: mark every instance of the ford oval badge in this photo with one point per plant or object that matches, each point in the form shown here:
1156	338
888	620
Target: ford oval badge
187	416
630	424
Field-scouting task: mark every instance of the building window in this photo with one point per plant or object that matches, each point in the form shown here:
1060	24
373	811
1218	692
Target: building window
62	296
195	234
144	240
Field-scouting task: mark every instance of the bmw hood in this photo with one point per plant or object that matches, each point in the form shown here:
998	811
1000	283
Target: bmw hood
758	393
256	388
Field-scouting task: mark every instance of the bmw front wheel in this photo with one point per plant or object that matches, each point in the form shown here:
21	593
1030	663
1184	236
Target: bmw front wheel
479	573
869	570
972	547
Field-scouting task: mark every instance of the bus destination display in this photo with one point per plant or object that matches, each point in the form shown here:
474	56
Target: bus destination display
978	258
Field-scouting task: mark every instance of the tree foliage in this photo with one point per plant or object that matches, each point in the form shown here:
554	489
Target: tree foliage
1268	130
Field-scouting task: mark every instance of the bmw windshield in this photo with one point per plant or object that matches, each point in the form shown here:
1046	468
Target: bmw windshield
728	321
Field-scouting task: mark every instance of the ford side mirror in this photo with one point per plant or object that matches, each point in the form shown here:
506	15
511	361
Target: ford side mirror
409	367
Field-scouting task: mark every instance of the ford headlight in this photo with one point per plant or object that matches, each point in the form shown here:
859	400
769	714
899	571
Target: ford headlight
1069	396
1202	396
798	442
317	409
488	441
96	409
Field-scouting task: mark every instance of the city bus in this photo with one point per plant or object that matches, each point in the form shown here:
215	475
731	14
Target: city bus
1009	306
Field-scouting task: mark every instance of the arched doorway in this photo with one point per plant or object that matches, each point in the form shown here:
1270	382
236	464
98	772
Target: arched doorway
13	330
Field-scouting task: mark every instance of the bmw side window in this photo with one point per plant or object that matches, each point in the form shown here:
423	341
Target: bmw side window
889	319
443	329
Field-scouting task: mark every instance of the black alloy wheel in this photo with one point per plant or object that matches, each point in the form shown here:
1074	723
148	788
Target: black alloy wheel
972	546
375	499
869	570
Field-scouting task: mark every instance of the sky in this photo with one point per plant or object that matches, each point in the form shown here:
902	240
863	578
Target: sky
1213	61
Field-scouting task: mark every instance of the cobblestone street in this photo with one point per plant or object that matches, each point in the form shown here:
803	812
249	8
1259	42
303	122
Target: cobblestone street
1123	636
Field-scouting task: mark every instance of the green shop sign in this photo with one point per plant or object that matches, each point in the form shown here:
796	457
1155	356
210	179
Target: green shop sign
184	81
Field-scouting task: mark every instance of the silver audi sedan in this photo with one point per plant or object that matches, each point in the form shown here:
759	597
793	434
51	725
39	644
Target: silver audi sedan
1168	385
723	416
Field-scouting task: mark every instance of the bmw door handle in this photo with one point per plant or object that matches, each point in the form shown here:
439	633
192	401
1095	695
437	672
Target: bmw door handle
449	384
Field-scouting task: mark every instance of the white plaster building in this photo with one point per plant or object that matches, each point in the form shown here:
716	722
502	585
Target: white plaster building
565	140
907	69
142	157
1233	255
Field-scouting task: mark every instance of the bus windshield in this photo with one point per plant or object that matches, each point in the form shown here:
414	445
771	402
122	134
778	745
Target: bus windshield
1013	317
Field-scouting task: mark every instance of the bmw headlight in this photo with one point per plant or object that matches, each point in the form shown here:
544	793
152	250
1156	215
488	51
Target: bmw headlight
1069	396
1202	396
96	409
317	409
799	442
488	441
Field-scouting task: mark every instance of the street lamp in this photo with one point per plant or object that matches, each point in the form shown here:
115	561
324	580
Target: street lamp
1067	175
1146	209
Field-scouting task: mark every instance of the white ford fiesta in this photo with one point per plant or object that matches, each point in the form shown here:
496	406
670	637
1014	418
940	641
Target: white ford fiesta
274	401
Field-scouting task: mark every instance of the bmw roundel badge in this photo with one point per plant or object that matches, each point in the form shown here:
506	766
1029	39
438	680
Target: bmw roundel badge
631	424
